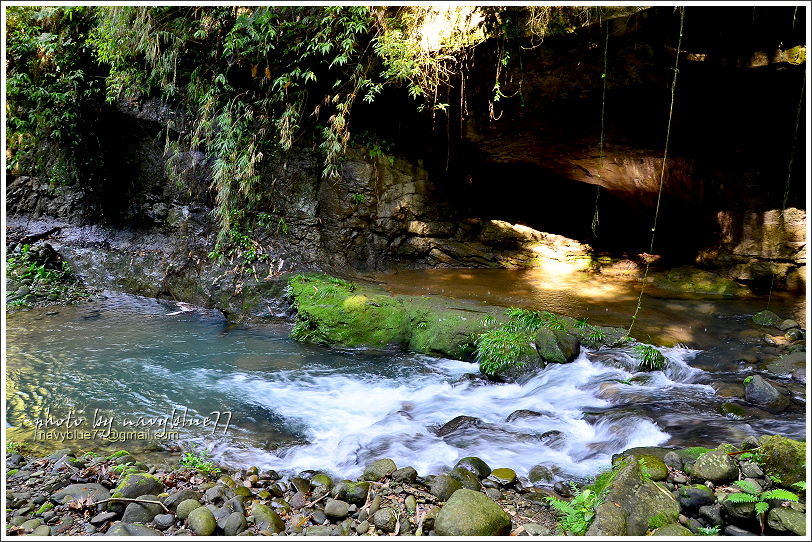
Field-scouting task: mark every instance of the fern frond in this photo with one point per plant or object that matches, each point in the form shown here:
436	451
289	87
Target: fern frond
800	485
748	487
762	507
741	498
561	506
781	494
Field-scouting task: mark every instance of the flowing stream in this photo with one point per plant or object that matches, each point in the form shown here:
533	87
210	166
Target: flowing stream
155	366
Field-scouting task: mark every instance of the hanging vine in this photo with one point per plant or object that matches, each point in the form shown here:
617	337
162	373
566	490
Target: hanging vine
662	173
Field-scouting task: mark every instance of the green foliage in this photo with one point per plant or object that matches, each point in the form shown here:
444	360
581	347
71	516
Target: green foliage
650	358
750	494
117	454
748	380
709	531
800	485
53	94
499	349
47	278
358	199
199	462
13	447
658	520
578	513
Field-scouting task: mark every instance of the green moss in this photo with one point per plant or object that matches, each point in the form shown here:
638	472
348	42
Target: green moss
658	520
117	454
783	458
44	508
12	472
693	452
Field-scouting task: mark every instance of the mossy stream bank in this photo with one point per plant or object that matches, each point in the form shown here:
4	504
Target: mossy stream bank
334	312
657	491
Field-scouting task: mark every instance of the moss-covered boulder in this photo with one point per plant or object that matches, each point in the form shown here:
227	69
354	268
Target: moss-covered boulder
136	484
698	281
784	458
639	499
787	521
471	513
266	519
766	318
556	346
444	486
715	466
475	465
654	467
201	521
672	529
376	470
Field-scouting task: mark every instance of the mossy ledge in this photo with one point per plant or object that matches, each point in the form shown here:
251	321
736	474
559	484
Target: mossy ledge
335	312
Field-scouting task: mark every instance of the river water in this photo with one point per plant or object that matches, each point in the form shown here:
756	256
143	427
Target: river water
162	373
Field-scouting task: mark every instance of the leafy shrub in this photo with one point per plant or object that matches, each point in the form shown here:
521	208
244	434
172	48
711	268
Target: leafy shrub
199	462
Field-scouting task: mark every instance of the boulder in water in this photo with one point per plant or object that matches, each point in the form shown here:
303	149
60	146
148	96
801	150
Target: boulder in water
475	465
377	470
760	392
460	423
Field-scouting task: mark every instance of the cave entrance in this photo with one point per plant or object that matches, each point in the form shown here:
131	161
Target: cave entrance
533	196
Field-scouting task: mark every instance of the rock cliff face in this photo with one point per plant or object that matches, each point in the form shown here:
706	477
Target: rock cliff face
482	190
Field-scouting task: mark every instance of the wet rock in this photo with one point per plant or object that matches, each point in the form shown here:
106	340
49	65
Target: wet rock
787	324
475	465
466	478
385	519
692	497
715	466
460	423
235	524
736	512
673	460
163	521
470	513
766	318
762	393
562	489
443	486
732	410
523	414
377	470
220	514
218	494
503	476
129	529
302	485
406	475
556	346
185	508
795	335
95	492
137	512
539	474
712	514
356	492
266	519
173	500
335	509
298	500
786	520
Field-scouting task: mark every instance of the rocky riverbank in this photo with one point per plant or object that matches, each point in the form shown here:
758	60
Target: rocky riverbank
755	488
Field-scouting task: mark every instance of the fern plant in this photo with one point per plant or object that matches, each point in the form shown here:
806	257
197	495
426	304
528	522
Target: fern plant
751	494
578	513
